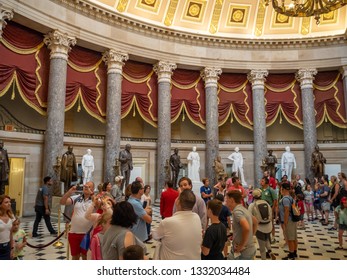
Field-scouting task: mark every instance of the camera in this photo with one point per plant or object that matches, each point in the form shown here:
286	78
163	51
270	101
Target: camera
79	187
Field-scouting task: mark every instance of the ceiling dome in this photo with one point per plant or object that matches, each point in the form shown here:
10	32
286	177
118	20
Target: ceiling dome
244	19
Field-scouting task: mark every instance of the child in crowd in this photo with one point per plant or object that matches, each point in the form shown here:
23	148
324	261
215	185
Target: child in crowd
341	219
250	195
215	236
309	197
301	206
316	201
20	239
133	252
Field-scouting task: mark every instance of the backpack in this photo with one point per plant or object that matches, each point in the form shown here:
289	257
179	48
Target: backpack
262	211
294	210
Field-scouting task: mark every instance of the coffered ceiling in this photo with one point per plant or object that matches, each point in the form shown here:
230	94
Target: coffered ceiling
226	18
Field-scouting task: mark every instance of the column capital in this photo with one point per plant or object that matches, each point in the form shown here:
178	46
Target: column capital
6	14
114	60
59	43
257	78
306	77
211	76
343	71
164	71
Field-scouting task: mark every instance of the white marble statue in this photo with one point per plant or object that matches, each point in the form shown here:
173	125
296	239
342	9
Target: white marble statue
237	160
194	165
288	163
88	166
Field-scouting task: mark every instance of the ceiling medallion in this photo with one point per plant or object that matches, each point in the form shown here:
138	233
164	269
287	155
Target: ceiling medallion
194	10
306	8
238	15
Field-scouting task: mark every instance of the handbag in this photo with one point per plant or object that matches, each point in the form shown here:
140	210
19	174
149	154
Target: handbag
85	243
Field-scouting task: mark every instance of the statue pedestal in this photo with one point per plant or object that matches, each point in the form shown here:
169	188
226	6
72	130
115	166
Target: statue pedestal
196	187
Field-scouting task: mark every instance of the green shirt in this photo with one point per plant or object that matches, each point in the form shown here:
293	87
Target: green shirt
342	220
269	195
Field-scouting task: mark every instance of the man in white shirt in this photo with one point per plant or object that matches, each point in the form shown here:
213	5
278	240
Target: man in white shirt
180	234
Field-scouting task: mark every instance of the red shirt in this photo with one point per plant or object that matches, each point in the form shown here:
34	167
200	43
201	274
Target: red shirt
272	182
241	189
301	206
167	201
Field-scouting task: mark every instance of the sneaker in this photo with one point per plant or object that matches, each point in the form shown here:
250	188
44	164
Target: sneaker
332	228
288	258
268	255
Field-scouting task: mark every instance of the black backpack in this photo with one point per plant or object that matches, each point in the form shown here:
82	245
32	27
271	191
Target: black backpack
262	211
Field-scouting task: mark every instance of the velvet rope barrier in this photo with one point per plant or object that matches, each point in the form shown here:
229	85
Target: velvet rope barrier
46	245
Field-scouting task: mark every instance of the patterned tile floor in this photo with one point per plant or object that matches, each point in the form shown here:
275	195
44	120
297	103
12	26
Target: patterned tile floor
316	242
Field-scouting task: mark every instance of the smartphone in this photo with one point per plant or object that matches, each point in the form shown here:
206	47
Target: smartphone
79	187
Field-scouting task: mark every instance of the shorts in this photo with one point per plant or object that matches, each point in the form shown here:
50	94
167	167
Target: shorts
301	217
75	240
342	227
317	205
326	206
308	206
290	231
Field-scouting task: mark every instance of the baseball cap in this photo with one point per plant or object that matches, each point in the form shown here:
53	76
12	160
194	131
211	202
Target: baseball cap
256	193
343	200
118	179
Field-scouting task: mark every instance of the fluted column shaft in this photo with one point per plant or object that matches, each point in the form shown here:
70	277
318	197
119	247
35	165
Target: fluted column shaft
5	14
114	61
343	71
257	78
164	71
60	44
306	77
211	75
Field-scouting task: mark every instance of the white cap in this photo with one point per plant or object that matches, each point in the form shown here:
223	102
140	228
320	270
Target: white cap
118	179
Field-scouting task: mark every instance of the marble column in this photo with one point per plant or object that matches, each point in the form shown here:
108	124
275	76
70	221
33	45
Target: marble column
5	14
257	78
211	75
306	77
164	71
114	61
60	44
343	71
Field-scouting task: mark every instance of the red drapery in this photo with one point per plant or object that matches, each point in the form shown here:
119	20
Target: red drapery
329	99
235	99
86	82
188	96
24	61
283	96
140	91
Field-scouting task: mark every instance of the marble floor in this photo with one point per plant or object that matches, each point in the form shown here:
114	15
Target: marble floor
316	242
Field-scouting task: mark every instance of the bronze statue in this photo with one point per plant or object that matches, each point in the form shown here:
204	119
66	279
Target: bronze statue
317	162
271	161
219	168
167	170
4	168
175	163
68	172
126	165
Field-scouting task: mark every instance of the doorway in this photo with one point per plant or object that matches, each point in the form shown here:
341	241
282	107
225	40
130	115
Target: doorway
16	183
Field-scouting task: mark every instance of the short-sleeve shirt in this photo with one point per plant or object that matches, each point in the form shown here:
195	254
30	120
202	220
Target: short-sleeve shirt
239	213
18	237
79	224
285	202
342	215
223	216
269	195
206	190
214	239
139	229
43	191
